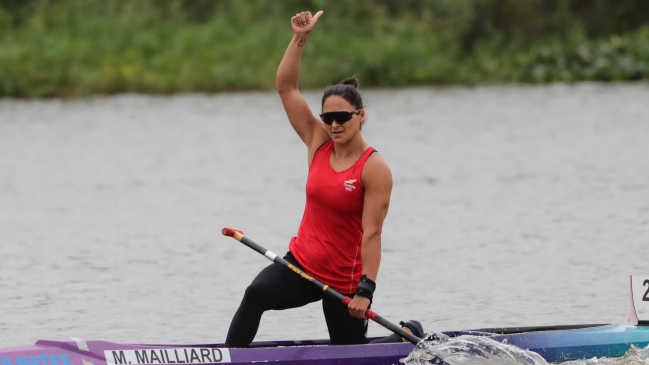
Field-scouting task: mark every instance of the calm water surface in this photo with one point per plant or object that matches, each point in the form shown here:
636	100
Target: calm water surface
511	206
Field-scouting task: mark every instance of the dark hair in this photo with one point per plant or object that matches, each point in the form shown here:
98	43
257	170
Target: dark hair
346	89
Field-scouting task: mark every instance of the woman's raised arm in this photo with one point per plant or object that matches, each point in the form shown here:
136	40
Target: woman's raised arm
309	127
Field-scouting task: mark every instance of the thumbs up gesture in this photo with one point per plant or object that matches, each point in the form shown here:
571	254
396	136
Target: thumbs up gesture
304	22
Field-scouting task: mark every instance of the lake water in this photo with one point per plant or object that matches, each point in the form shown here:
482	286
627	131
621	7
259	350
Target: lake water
512	205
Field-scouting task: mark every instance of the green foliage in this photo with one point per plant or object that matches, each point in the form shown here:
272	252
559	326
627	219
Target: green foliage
84	47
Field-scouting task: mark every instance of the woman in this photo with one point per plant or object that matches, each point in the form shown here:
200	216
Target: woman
347	198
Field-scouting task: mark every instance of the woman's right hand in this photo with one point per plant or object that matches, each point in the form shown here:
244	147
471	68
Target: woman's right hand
304	22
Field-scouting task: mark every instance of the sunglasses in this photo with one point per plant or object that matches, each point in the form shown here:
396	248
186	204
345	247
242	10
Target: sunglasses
340	117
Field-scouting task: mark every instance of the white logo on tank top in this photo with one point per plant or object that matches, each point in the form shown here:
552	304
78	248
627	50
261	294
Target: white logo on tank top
349	184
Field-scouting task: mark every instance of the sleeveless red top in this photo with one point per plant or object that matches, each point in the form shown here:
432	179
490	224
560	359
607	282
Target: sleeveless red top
328	242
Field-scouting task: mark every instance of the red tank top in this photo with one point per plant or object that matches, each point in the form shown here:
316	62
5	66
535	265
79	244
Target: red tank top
328	242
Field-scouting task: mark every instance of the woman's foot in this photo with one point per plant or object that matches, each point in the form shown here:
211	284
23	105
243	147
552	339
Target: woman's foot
412	326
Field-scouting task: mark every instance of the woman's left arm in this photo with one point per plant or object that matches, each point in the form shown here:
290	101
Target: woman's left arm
377	184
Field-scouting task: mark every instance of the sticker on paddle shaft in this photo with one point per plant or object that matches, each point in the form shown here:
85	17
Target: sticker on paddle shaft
639	300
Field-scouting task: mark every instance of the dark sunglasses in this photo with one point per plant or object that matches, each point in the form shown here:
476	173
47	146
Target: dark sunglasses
340	117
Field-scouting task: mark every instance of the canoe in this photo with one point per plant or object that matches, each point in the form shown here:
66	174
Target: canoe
553	343
549	343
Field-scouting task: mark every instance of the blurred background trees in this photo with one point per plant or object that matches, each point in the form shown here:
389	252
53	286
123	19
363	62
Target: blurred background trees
83	47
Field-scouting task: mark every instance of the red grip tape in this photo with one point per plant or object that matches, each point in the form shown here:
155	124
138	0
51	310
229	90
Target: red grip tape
370	314
230	231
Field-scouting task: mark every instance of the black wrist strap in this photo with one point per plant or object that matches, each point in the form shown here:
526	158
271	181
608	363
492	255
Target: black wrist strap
366	287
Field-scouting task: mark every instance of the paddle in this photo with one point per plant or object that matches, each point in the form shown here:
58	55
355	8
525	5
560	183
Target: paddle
238	235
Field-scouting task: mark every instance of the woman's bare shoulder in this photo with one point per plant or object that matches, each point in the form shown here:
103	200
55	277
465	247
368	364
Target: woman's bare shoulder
376	171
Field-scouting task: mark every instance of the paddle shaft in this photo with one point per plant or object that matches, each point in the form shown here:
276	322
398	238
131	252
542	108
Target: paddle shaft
239	236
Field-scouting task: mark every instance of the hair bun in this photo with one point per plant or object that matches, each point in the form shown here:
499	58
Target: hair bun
351	81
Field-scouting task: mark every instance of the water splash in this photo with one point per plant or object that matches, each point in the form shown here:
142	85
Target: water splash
474	350
478	350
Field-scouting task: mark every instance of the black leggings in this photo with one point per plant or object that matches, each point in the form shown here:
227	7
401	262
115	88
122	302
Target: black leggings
276	287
